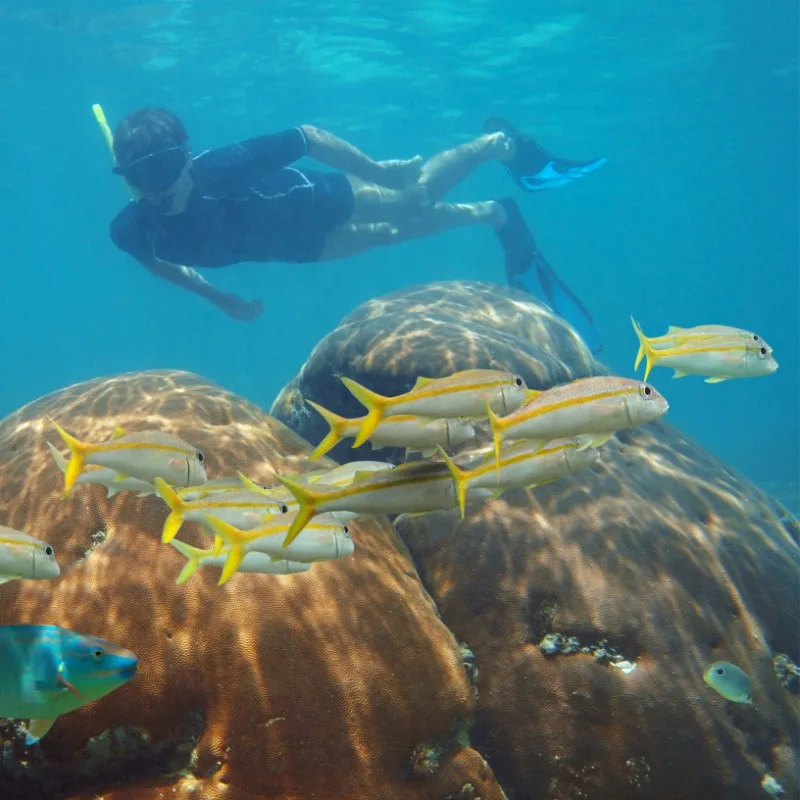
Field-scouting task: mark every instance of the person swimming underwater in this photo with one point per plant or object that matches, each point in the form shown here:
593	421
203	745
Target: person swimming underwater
246	202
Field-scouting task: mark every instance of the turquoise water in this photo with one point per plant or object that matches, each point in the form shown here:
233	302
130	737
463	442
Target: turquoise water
693	220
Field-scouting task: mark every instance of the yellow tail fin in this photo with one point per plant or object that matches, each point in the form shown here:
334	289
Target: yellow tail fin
192	556
460	478
231	536
375	405
337	425
497	436
177	509
75	465
307	507
645	349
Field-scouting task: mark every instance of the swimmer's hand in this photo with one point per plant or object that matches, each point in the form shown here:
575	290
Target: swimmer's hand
241	310
398	173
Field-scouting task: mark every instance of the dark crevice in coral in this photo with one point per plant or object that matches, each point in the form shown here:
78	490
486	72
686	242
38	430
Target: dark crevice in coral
116	757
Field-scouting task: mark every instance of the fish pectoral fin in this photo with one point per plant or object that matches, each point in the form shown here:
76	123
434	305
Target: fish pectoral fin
119	431
65	684
120	476
428	452
715	380
587	440
36	729
679	374
6	579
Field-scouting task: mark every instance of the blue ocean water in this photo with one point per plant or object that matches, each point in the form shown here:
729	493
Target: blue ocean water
693	220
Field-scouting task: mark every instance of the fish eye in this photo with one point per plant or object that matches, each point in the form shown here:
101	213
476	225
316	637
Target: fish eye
646	390
519	382
762	351
98	654
755	337
720	671
345	530
284	508
199	456
48	551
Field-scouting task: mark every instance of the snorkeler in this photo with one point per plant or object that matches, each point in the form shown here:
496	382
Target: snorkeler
244	202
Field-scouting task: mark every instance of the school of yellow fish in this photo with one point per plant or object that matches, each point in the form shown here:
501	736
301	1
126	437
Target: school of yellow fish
537	437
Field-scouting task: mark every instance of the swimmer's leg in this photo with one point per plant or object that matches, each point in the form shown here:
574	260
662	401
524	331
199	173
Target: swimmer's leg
447	169
439	174
352	239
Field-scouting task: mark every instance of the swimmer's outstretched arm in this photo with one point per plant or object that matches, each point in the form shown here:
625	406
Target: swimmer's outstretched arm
339	154
190	279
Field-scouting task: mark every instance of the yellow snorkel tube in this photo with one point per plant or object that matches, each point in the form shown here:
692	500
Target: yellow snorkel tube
105	129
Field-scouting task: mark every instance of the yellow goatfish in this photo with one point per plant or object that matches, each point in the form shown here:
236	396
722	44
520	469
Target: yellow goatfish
589	409
103	476
719	357
414	488
339	476
259	563
522	465
463	394
25	556
244	508
213	486
146	455
675	336
415	433
322	539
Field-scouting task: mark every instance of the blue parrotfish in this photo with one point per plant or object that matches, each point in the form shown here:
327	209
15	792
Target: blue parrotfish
47	671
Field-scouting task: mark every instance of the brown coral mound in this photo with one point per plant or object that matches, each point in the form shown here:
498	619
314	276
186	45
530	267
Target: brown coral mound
661	556
318	685
388	342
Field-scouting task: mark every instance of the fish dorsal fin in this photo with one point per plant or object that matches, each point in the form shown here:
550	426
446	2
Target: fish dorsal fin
420	382
119	431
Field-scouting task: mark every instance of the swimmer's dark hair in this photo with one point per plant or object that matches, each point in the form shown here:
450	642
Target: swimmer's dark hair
146	131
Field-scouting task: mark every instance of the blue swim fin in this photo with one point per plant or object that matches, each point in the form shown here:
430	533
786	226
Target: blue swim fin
533	168
528	270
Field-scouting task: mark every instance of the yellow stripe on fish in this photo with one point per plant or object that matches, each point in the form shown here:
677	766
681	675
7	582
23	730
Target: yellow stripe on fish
143	454
329	539
522	465
676	335
255	562
464	394
417	487
592	409
245	508
718	356
413	432
23	556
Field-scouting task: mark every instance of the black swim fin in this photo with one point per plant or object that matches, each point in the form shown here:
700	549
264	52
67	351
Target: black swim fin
528	270
533	168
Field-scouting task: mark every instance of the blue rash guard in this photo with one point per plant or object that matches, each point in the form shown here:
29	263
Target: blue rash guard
246	204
